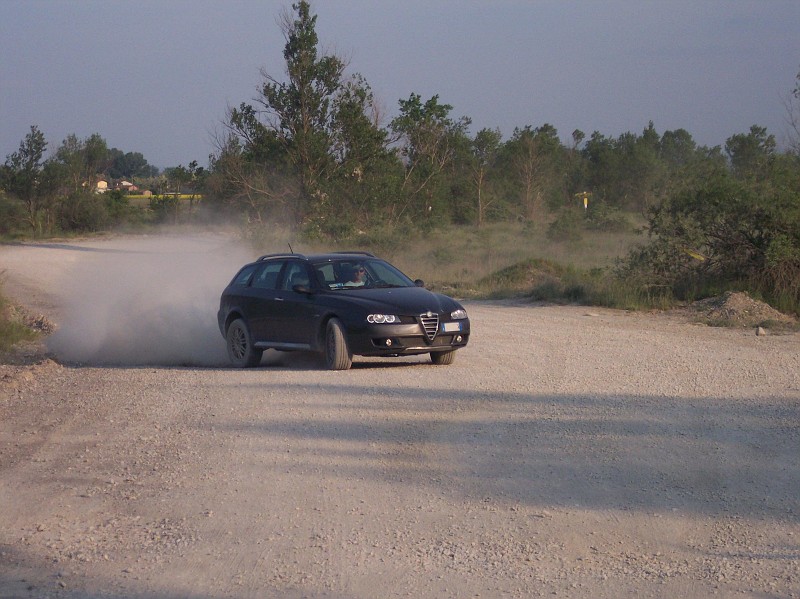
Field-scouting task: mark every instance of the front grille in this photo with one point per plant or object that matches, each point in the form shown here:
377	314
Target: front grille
430	323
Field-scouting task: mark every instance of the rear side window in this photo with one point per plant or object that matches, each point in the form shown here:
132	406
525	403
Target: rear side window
267	277
296	274
242	278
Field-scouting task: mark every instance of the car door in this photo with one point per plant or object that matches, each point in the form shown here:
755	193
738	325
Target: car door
263	301
296	313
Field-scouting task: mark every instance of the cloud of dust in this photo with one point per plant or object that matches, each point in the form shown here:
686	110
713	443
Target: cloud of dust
148	300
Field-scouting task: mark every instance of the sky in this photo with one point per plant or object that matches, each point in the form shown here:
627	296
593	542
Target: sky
156	76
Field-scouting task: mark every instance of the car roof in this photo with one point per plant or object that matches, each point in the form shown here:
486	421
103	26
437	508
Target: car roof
328	257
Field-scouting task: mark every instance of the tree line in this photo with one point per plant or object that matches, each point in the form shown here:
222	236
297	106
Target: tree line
46	195
314	150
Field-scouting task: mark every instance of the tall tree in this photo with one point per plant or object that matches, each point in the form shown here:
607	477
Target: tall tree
532	155
22	176
792	105
485	148
428	138
297	109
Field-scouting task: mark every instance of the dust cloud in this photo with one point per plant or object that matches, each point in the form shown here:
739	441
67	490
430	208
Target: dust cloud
148	300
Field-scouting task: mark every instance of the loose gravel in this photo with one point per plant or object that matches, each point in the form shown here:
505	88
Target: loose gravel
568	452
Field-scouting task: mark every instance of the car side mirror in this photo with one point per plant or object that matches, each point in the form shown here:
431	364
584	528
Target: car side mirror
302	289
419	283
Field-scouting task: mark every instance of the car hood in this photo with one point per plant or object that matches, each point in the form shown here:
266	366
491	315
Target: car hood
401	300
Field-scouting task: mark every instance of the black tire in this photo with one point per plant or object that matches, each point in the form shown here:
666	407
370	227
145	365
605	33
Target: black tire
241	352
336	353
443	358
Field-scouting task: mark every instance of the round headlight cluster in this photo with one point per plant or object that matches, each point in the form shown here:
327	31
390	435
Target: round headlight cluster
382	318
459	314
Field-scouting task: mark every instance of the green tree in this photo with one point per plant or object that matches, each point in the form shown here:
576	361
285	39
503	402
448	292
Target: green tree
626	172
428	141
22	176
76	168
367	172
532	158
129	165
751	154
297	111
485	149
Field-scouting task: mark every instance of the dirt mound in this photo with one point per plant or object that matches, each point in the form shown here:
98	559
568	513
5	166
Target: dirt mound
734	308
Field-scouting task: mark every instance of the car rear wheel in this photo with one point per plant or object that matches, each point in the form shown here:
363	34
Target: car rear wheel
443	358
241	352
337	354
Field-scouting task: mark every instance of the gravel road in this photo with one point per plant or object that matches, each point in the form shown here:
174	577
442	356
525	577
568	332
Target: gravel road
568	451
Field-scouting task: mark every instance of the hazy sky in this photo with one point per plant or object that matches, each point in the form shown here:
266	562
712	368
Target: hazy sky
155	76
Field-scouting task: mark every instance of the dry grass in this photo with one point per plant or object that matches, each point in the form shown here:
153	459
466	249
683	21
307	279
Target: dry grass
497	260
466	255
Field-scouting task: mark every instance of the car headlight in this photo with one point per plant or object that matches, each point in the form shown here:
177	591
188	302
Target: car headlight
382	318
459	314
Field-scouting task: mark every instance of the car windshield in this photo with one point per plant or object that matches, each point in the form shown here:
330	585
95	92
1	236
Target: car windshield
357	273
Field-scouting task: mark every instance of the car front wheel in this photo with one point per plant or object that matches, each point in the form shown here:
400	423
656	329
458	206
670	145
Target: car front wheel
443	358
337	354
241	352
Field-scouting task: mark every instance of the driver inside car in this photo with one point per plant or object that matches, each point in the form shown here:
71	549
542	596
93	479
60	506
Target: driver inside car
358	277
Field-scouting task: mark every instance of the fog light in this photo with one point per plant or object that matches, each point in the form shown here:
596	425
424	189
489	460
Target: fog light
458	338
388	343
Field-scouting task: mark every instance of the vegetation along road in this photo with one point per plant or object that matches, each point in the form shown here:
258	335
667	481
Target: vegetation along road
567	452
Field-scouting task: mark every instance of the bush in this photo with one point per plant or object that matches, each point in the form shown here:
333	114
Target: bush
723	233
12	216
567	226
607	219
83	212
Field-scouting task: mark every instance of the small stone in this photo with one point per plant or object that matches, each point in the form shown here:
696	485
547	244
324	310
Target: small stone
761	332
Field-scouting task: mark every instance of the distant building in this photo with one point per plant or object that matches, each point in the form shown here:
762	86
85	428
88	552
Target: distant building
126	186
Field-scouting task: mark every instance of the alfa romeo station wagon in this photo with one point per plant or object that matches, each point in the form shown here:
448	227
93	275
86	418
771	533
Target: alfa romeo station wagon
339	305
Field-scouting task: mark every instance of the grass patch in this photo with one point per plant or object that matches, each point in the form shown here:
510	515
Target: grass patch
12	329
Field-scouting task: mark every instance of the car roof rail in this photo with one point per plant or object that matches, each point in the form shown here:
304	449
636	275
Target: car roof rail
279	255
356	252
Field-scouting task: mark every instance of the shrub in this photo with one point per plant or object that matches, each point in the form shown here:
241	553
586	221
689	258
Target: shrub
11	330
567	226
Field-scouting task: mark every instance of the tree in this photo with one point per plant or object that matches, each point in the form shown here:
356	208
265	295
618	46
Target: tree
531	156
792	105
258	188
485	148
22	176
751	154
677	148
297	110
625	172
428	138
77	166
367	172
129	165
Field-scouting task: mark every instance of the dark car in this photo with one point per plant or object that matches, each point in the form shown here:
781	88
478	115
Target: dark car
340	305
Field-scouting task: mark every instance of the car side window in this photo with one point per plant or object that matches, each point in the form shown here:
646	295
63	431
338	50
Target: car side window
267	277
325	275
296	273
242	278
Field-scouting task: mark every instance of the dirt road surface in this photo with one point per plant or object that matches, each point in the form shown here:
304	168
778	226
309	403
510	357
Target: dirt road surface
568	451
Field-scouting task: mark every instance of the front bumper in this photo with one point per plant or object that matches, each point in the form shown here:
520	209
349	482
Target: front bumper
407	339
